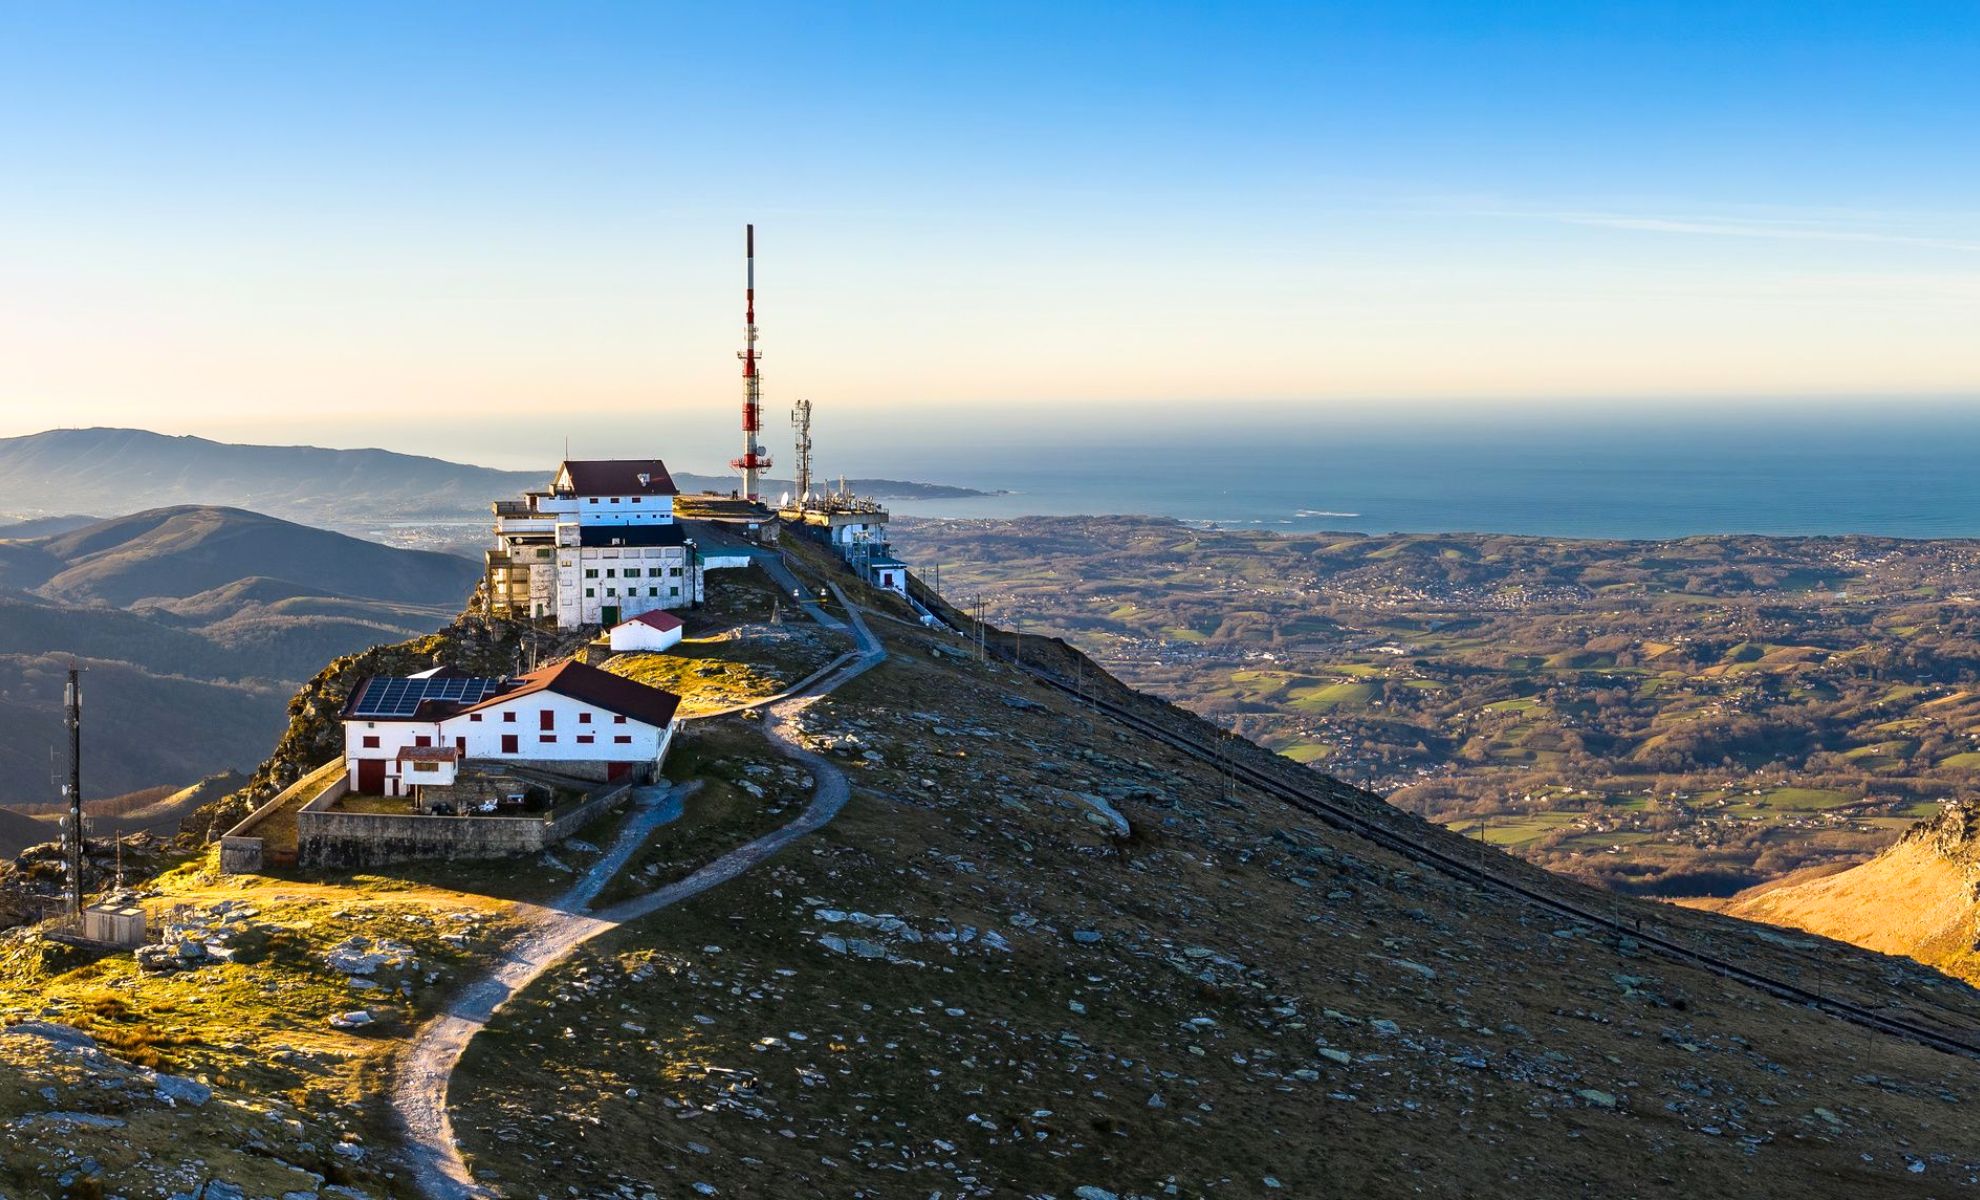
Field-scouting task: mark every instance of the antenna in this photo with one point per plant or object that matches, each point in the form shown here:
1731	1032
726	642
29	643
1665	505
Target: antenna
753	458
72	717
801	422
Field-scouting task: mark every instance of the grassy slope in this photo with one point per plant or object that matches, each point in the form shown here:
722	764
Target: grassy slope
1230	1023
1916	898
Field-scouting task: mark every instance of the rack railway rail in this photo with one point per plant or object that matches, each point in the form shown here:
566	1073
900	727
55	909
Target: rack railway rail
1341	817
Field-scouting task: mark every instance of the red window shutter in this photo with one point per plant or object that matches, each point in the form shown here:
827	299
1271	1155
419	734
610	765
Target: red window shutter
460	745
623	738
371	741
474	716
422	740
585	739
546	737
546	718
509	743
618	720
584	718
509	717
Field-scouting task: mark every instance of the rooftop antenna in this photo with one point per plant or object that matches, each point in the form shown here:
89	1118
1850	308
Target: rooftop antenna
753	458
801	421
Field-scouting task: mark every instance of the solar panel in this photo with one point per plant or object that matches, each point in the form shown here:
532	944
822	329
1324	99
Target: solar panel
389	697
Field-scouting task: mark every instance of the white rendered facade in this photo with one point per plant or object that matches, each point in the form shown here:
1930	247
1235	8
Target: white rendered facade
599	546
535	727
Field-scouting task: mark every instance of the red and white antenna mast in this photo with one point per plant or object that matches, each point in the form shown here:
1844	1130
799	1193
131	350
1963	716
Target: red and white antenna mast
753	458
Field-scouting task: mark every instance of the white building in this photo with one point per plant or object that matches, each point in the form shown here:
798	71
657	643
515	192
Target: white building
601	544
570	718
857	528
649	631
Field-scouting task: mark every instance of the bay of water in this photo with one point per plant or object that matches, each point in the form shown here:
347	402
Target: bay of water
1902	473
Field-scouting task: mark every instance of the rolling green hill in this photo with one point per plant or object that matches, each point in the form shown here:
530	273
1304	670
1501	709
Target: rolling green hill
196	625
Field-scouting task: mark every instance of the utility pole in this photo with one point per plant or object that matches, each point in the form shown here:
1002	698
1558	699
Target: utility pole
1017	622
72	717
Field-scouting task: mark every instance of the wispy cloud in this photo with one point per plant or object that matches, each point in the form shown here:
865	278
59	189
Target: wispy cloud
1793	230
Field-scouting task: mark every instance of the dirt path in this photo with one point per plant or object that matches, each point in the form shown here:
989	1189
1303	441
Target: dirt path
419	1090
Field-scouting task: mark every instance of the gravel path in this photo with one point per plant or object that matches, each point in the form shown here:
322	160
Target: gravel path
419	1090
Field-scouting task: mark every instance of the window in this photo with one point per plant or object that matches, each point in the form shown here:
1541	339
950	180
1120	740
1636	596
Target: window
584	718
426	766
546	718
460	746
585	739
591	572
674	572
674	592
547	737
623	739
617	720
510	717
422	741
371	741
635	499
474	716
615	499
611	591
609	572
591	591
653	591
509	743
591	499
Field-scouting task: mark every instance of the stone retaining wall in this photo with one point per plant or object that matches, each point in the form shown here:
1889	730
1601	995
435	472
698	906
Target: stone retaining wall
364	840
241	853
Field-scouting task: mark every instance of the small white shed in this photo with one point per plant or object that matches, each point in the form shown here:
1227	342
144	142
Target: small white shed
649	631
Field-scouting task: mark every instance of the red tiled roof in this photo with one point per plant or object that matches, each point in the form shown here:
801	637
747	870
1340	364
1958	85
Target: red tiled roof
428	754
658	618
619	477
614	693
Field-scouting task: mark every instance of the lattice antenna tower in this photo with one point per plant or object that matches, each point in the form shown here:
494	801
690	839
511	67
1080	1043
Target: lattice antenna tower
801	426
752	459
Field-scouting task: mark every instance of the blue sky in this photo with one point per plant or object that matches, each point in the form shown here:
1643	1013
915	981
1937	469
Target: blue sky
463	227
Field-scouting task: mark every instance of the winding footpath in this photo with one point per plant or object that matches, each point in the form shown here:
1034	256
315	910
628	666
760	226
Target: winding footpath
419	1089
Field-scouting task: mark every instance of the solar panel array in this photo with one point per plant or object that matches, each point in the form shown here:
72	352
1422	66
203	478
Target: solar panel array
386	697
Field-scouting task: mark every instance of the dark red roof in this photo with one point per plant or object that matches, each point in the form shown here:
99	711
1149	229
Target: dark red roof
614	693
428	754
659	618
619	477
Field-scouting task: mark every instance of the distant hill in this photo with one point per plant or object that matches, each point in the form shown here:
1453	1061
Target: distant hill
186	551
40	527
122	470
195	626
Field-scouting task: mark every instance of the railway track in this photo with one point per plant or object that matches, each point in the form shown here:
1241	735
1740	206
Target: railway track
1342	817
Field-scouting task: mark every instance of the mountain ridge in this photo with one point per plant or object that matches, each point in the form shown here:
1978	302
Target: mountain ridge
110	469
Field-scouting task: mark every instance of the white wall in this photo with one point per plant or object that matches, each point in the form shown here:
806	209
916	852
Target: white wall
645	743
624	510
630	595
636	635
484	737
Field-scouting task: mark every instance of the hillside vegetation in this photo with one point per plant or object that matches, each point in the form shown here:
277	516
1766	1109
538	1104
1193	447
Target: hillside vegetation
1681	717
194	626
1039	953
1919	898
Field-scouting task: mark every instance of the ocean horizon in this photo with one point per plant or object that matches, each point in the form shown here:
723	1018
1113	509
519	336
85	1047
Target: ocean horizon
1902	474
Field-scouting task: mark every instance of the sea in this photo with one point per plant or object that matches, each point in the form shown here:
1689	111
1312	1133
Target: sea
1901	472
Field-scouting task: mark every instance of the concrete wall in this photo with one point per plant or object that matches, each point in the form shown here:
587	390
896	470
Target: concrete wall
241	851
363	840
